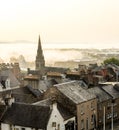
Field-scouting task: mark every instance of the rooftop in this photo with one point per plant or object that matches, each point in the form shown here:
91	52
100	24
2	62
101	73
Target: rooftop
4	74
27	115
63	111
74	92
99	93
31	77
111	91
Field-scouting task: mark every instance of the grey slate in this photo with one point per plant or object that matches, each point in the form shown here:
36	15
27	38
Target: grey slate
43	85
13	80
99	93
27	115
25	94
111	91
74	92
63	111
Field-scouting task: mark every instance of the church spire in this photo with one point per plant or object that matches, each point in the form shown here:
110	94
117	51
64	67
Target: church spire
40	62
39	50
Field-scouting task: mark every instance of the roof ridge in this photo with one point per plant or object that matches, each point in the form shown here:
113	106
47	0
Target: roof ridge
74	81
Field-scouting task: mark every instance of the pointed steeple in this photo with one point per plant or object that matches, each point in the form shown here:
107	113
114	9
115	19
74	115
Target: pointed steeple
40	62
39	49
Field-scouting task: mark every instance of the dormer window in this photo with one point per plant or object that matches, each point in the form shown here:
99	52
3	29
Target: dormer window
3	84
7	83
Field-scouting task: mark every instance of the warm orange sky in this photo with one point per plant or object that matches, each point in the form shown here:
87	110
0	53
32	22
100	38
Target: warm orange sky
60	20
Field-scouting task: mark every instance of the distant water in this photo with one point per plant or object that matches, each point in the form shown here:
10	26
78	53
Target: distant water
29	49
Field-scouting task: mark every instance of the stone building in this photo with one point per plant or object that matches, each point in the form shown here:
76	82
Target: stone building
41	71
14	67
103	105
36	116
8	80
78	101
113	91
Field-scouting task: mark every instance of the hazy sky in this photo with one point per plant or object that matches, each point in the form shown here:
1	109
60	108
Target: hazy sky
60	20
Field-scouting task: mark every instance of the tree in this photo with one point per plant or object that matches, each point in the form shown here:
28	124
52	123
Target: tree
111	61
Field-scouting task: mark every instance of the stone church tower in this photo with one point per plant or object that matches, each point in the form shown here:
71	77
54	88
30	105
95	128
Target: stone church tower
40	62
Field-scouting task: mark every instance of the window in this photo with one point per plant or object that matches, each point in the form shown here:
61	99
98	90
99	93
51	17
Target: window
92	105
82	124
22	128
115	115
115	104
92	119
53	124
87	124
109	104
100	120
82	109
109	115
100	107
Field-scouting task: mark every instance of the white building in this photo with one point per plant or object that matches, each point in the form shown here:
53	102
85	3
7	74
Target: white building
36	117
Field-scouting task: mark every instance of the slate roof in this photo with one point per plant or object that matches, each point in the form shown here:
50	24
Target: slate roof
46	102
111	91
97	68
24	98
8	73
4	93
83	84
23	94
2	110
63	111
99	93
113	68
27	115
4	78
116	86
35	92
43	85
74	92
26	94
22	90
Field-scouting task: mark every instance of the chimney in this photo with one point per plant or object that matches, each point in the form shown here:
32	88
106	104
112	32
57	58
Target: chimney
9	99
53	102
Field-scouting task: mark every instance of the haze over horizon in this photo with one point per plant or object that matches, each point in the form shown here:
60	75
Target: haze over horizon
59	21
51	51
